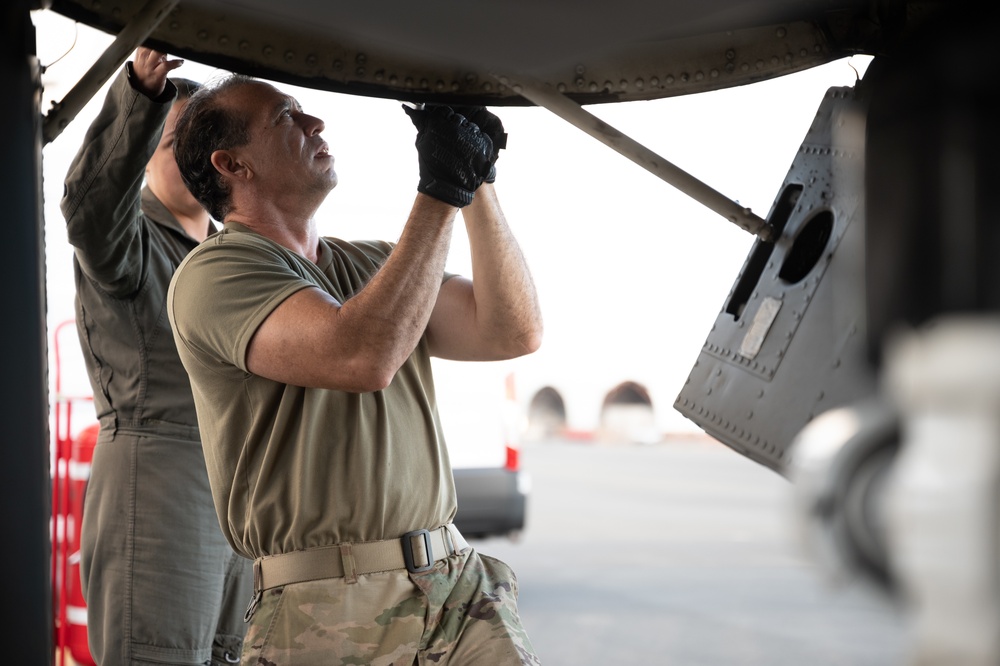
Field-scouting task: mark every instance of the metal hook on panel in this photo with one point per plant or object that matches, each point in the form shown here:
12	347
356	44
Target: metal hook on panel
131	35
544	96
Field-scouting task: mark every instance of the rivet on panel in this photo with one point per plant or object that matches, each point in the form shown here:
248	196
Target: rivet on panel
267	50
593	86
699	76
745	67
774	61
338	65
244	45
669	80
759	64
685	77
312	59
360	59
289	56
223	40
408	82
174	25
580	69
714	73
623	84
561	87
730	54
781	32
424	83
639	83
487	86
439	85
608	86
203	35
393	79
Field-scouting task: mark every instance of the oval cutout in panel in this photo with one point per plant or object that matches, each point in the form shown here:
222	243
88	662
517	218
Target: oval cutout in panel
808	248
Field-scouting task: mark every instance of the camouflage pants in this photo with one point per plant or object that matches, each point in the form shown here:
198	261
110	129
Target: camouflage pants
463	611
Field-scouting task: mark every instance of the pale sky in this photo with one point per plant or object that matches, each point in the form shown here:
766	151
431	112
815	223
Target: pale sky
631	273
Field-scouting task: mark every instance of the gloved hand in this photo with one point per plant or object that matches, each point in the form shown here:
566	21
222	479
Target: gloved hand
454	155
492	127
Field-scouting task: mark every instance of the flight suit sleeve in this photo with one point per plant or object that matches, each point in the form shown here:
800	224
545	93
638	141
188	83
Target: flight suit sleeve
101	198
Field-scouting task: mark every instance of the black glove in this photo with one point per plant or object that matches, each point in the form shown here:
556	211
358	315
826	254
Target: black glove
492	127
454	155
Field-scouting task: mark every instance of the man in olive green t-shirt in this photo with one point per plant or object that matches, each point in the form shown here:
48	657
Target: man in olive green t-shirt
310	365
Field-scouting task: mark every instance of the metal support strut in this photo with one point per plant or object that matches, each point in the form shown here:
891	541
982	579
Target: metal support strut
132	35
543	96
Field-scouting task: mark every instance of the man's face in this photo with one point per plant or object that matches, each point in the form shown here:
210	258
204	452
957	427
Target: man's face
286	153
162	175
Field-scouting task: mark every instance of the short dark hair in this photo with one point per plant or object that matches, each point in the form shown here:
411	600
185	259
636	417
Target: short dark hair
204	126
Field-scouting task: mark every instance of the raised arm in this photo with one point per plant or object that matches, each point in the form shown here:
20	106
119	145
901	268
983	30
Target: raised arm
102	189
496	315
312	340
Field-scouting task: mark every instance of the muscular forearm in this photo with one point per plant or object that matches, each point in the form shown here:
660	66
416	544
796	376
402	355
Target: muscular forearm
387	318
508	317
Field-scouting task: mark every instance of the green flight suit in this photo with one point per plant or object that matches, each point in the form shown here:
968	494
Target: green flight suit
162	584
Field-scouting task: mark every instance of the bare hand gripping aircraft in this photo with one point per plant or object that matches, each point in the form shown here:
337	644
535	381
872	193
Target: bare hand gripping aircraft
858	353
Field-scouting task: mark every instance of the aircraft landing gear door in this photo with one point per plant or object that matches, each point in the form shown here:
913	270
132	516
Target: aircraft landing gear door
790	342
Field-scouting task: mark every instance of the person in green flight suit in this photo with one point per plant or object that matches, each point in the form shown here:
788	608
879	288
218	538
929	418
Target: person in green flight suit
161	583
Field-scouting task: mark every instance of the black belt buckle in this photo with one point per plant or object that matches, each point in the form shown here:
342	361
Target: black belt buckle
408	551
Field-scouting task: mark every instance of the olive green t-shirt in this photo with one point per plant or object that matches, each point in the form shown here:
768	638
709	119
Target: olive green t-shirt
293	467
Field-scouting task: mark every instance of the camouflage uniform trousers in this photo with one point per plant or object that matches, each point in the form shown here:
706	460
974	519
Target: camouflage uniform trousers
462	611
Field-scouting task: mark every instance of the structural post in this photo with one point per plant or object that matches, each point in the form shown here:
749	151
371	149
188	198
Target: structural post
25	486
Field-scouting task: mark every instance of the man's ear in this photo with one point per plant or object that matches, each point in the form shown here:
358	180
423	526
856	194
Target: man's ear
230	166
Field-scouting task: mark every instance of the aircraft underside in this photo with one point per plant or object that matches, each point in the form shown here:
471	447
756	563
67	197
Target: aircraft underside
858	353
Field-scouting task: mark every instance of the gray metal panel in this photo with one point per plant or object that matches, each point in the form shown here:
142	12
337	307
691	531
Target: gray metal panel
592	50
789	342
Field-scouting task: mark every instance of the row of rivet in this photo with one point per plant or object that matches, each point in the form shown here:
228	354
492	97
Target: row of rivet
579	82
748	435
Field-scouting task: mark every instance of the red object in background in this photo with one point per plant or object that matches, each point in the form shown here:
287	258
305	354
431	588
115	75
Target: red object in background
71	472
69	489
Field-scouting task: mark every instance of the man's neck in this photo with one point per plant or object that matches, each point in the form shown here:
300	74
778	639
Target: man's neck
297	234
